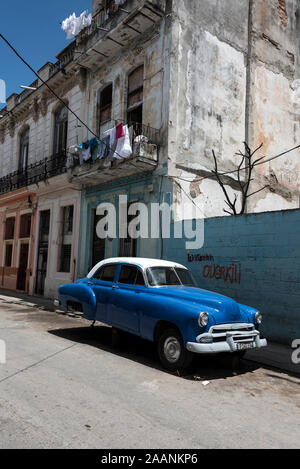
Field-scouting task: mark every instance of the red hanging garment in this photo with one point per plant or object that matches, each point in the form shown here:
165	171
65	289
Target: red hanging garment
120	131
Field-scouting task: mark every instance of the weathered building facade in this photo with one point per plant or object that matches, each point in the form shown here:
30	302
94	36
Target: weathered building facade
186	77
234	78
34	191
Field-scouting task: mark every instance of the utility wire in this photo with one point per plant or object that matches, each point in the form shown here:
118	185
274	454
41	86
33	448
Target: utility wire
236	170
56	95
106	144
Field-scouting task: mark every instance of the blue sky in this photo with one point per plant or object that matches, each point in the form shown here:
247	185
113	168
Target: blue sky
33	29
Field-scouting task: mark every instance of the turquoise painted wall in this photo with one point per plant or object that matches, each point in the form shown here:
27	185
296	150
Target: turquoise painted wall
146	187
256	260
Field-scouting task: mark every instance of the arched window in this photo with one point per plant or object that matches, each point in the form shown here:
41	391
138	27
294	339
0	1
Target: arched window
24	150
61	131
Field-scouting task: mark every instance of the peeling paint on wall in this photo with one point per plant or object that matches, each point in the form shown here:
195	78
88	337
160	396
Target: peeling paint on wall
281	8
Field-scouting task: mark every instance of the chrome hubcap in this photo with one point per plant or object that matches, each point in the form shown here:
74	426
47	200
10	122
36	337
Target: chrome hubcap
172	349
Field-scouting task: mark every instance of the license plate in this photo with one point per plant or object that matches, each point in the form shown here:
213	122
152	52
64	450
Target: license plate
245	345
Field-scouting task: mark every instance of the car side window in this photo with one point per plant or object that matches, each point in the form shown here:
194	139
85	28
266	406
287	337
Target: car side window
106	273
131	275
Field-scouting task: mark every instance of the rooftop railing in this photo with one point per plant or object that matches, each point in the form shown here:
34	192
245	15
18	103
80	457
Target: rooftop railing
65	58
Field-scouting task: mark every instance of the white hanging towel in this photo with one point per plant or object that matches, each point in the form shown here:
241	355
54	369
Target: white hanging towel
73	25
123	149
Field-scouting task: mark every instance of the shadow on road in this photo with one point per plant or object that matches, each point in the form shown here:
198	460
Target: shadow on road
142	351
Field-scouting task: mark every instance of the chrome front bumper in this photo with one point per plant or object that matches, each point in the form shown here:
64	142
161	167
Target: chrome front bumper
227	338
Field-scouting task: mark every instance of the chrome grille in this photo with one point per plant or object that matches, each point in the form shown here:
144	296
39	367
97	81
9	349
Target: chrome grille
236	327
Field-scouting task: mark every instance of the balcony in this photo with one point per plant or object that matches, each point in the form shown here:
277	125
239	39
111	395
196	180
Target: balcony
64	58
33	174
145	146
144	159
115	27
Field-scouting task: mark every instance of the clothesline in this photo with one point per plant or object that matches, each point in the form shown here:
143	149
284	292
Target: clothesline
115	144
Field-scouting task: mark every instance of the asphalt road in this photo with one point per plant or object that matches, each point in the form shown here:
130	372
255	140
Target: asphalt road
66	385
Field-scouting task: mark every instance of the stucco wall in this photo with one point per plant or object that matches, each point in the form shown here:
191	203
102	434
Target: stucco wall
254	259
41	130
234	70
55	200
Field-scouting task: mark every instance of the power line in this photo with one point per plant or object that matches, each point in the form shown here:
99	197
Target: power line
106	144
187	195
241	169
56	95
262	162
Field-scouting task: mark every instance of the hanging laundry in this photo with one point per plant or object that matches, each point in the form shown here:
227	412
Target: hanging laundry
74	150
93	144
104	147
113	142
123	149
100	148
73	25
119	131
74	153
85	152
113	136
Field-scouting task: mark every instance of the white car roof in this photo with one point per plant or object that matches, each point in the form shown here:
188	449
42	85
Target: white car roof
144	263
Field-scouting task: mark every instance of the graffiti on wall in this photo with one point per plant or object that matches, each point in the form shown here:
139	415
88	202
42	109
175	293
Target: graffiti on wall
199	257
230	273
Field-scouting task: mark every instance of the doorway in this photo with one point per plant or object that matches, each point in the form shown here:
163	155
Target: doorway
23	264
42	252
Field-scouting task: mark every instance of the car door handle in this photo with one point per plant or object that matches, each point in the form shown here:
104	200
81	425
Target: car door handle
115	287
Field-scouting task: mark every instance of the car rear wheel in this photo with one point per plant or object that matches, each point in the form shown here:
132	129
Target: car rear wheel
172	353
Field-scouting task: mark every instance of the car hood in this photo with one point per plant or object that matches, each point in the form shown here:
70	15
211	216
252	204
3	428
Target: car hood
222	308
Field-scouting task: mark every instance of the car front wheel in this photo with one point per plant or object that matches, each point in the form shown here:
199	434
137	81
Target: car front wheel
172	353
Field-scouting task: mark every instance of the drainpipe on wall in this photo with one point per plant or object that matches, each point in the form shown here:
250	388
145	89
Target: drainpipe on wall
248	107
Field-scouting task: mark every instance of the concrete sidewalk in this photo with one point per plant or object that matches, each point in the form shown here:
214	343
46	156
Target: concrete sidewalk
274	355
27	300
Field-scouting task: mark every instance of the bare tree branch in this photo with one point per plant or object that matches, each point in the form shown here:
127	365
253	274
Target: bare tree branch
247	158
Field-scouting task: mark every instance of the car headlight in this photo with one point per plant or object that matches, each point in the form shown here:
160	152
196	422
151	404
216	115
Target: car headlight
203	319
258	318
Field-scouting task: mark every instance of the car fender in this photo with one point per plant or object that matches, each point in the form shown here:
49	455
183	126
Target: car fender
182	314
79	293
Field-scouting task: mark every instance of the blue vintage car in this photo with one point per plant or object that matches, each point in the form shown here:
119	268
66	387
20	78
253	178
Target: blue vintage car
159	301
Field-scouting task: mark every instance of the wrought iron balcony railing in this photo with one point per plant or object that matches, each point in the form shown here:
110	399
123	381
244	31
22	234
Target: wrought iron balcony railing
57	164
34	173
147	135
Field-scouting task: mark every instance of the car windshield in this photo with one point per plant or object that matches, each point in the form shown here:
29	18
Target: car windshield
160	276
